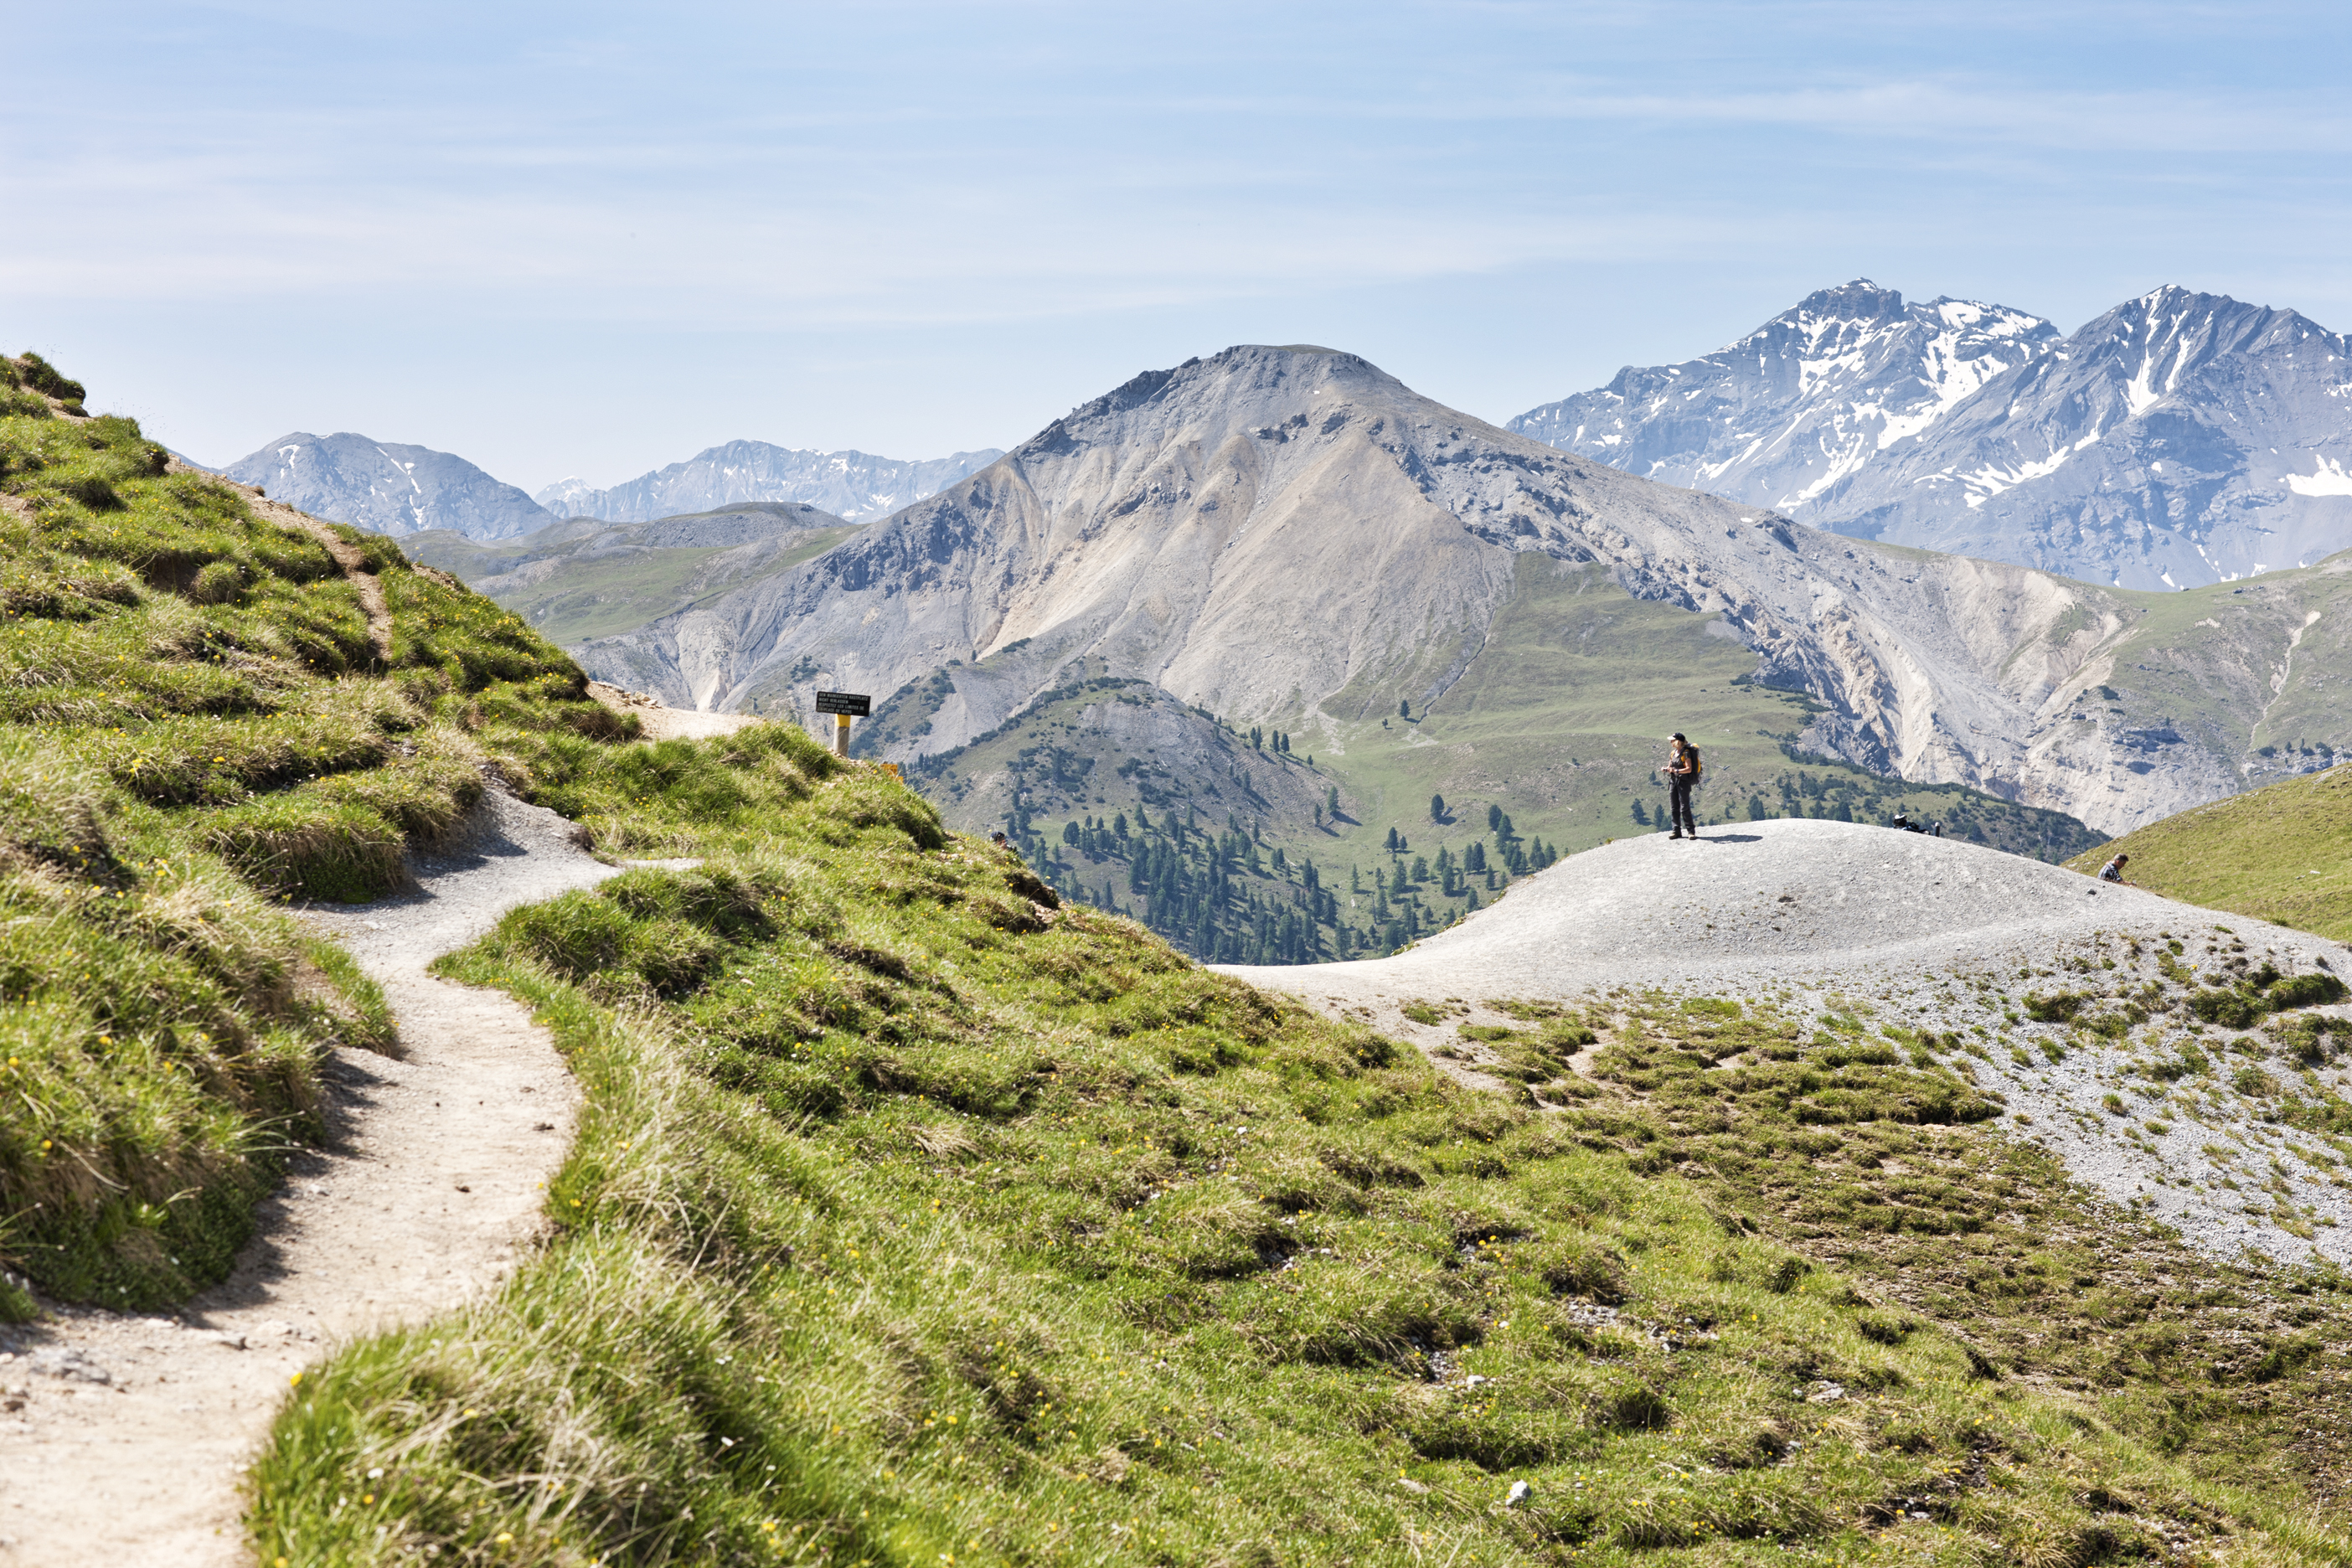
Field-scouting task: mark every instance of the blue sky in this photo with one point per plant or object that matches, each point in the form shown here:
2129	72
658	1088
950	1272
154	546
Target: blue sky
590	240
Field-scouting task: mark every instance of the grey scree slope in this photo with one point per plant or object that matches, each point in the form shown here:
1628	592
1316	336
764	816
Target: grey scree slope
1914	926
135	1431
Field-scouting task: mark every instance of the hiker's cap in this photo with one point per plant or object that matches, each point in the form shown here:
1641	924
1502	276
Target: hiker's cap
1678	735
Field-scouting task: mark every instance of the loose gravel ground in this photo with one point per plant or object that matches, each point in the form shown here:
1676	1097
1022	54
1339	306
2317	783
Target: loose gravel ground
1930	934
124	1440
662	723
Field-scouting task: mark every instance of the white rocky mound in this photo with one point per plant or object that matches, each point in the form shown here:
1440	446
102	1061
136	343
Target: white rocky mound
1930	934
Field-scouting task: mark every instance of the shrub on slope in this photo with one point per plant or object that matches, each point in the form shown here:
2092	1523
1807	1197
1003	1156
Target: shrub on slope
196	717
915	1220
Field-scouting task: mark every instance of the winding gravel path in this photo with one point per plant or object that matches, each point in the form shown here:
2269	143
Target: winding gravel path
1818	914
126	1437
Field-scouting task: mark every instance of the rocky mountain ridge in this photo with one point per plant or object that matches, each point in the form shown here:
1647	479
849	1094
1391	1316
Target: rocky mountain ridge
1291	535
2180	439
852	485
1782	415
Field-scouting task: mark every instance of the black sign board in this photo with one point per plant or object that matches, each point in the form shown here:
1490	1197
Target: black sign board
855	704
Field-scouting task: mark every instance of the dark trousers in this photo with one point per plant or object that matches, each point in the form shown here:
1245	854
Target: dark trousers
1678	806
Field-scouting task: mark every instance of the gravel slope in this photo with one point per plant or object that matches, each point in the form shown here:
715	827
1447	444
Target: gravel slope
127	1437
1812	912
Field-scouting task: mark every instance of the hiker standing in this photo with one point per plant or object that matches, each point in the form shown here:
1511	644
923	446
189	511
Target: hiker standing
1681	777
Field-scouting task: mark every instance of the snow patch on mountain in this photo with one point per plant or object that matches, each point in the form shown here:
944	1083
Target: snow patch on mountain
2330	480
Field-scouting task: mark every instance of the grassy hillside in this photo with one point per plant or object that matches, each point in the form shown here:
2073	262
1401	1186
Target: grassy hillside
206	712
914	1218
582	579
917	1217
1274	847
2246	669
2282	853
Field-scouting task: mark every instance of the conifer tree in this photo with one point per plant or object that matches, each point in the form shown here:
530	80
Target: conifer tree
1436	808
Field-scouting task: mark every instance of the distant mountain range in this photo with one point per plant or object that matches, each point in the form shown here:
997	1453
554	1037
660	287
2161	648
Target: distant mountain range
387	488
851	485
2180	438
1289	537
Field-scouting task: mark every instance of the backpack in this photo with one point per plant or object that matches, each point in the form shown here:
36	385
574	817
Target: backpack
1696	767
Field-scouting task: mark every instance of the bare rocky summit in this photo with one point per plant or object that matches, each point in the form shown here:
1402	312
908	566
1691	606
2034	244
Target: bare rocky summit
1815	913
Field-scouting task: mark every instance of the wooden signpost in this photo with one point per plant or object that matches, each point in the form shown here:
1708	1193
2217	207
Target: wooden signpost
843	706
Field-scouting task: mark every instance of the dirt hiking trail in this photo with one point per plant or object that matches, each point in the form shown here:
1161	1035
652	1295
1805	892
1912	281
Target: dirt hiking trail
125	1438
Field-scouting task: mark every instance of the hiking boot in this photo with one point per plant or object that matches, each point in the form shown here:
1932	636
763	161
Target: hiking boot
1678	833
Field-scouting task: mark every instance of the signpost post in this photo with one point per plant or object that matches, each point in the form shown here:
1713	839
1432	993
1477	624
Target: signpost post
843	706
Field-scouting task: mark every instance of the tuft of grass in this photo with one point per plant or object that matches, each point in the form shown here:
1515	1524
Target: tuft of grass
914	1216
160	1026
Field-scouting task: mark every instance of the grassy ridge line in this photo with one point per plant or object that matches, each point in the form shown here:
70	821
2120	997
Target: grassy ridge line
912	1220
565	581
2282	853
196	720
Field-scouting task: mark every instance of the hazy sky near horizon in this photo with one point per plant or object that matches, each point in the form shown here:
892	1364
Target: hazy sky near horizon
589	239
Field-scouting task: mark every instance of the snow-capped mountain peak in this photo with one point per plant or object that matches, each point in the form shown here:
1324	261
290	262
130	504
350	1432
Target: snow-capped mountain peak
1788	411
2181	437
